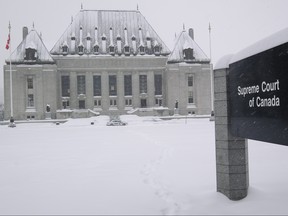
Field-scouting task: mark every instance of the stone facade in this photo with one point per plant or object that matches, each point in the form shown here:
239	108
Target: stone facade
103	65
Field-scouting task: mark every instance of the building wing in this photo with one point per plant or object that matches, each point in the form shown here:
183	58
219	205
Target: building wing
184	42
31	51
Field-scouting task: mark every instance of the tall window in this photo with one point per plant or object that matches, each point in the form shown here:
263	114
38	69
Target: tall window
81	85
190	97
30	102
65	86
29	82
127	85
112	85
97	85
158	84
143	83
190	80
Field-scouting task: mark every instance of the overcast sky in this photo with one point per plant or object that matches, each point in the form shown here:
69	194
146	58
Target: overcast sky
235	23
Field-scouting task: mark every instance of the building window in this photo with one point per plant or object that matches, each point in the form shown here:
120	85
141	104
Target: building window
30	101
158	84
65	49
188	54
65	86
127	85
30	54
81	50
190	80
97	103
112	85
128	102
190	97
97	85
29	82
143	103
112	50
96	49
81	104
158	101
65	104
157	50
126	50
81	85
143	83
113	102
142	50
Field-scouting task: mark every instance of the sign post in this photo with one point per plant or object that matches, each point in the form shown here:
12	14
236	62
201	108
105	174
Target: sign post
251	102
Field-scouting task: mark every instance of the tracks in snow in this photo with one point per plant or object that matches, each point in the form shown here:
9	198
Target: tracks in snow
151	177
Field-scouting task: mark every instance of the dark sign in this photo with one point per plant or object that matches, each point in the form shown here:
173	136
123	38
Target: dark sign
258	98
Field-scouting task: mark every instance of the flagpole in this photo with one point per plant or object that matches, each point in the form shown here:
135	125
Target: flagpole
12	124
212	77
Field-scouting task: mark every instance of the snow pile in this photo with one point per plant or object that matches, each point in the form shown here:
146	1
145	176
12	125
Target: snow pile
149	167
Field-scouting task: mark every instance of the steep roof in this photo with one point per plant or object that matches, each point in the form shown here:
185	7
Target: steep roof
184	41
31	41
110	24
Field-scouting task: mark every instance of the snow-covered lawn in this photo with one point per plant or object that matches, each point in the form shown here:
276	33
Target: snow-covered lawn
150	166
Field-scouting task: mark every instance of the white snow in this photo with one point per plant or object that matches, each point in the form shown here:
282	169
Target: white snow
149	167
274	40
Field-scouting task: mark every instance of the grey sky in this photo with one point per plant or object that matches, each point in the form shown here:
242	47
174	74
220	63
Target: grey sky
235	23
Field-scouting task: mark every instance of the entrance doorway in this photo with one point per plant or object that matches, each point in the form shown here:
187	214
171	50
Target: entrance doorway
143	103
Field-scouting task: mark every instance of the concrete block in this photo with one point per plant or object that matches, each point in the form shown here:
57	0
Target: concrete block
220	84
220	73
220	96
220	108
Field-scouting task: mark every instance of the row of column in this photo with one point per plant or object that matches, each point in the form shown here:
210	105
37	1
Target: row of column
105	98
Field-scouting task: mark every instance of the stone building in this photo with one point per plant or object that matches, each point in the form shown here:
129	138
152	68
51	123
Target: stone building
107	62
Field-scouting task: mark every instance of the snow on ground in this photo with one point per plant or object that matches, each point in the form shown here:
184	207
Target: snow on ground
151	166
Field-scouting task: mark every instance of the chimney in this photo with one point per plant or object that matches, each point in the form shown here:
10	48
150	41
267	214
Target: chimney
191	33
25	32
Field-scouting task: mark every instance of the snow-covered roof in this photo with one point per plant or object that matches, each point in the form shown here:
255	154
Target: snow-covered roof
269	42
184	41
31	41
100	22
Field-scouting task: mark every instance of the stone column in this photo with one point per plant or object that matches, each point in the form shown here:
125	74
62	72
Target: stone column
231	152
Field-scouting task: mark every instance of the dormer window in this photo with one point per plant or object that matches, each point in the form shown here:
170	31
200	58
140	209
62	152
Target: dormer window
157	50
142	50
188	54
65	48
30	54
96	49
127	50
81	49
112	50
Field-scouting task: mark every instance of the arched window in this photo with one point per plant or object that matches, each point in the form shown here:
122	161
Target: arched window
96	49
65	49
142	50
81	49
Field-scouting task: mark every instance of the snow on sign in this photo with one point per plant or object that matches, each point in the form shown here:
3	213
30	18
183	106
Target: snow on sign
258	87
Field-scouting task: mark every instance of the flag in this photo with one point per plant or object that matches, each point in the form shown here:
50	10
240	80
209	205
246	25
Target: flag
8	42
